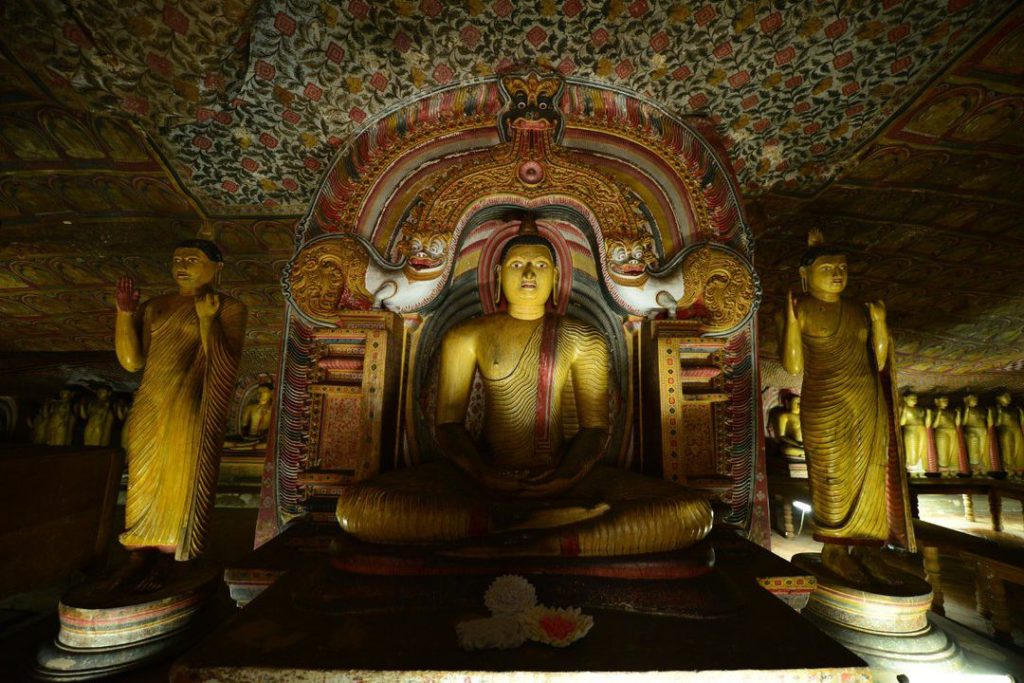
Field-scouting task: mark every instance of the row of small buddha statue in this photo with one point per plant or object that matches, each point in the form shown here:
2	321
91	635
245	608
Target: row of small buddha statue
970	439
56	423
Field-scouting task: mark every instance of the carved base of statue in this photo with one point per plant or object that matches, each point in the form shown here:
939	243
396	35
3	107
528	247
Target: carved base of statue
885	623
105	630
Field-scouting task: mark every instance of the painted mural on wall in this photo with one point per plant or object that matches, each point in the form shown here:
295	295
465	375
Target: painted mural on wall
252	97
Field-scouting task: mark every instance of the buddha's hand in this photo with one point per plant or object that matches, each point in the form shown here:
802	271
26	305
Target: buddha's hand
127	295
876	309
549	483
207	305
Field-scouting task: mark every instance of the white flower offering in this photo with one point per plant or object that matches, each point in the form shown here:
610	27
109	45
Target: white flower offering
500	633
509	595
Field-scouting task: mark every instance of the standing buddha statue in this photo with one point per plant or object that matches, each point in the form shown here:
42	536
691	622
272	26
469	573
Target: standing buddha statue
60	420
914	422
841	347
99	418
189	344
1007	419
528	476
975	422
944	424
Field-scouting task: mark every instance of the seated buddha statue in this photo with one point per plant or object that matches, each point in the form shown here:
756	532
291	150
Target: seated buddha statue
526	476
788	432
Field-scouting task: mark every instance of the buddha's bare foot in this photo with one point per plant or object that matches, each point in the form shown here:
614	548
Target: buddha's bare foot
154	579
836	558
872	560
550	518
132	570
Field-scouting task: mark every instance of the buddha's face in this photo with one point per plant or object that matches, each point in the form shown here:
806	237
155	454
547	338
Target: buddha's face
941	402
1003	399
103	394
65	394
263	395
910	400
970	400
794	405
827	275
528	274
192	268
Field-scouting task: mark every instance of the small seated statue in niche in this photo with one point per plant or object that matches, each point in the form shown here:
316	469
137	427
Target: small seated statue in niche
99	418
1007	419
255	421
528	477
914	421
976	422
787	428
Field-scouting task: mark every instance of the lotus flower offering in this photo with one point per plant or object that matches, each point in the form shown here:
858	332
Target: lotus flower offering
517	617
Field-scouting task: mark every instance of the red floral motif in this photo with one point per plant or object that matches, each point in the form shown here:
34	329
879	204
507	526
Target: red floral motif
697	101
955	6
174	19
638	9
357	114
704	15
901	64
785	55
771	23
750	101
566	67
224	118
812	128
855	109
269	203
358	9
284	24
470	36
843	60
504	65
794	82
334	141
311	163
289	184
851	88
599	38
264	70
624	69
268	140
249	165
313	92
802	107
214	81
659	41
202	142
402	41
836	28
230	186
761	125
899	33
335	52
681	73
739	79
379	81
135	105
536	36
159	64
571	8
443	74
723	50
203	114
290	116
817	148
76	35
503	8
431	8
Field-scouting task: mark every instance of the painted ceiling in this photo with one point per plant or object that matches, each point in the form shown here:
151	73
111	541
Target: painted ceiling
893	125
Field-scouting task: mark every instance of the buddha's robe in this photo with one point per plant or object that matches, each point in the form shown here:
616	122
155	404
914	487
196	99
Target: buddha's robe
523	428
176	426
846	430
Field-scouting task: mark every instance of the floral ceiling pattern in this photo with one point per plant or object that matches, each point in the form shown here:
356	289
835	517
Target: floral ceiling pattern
248	100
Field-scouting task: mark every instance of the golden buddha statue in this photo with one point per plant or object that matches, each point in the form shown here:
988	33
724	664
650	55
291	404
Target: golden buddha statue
528	475
60	420
914	421
976	422
1007	419
787	428
840	346
38	423
944	423
189	344
99	418
255	422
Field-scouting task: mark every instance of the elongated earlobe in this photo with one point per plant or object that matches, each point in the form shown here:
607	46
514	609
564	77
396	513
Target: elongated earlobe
497	285
554	290
803	279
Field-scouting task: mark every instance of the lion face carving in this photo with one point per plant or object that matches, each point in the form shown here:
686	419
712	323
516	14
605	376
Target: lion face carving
628	259
425	251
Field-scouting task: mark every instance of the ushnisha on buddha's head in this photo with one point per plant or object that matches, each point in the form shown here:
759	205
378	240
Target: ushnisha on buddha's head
528	273
196	265
823	269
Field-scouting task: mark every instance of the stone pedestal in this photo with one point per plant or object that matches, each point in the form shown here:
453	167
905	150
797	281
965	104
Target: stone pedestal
105	632
886	625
